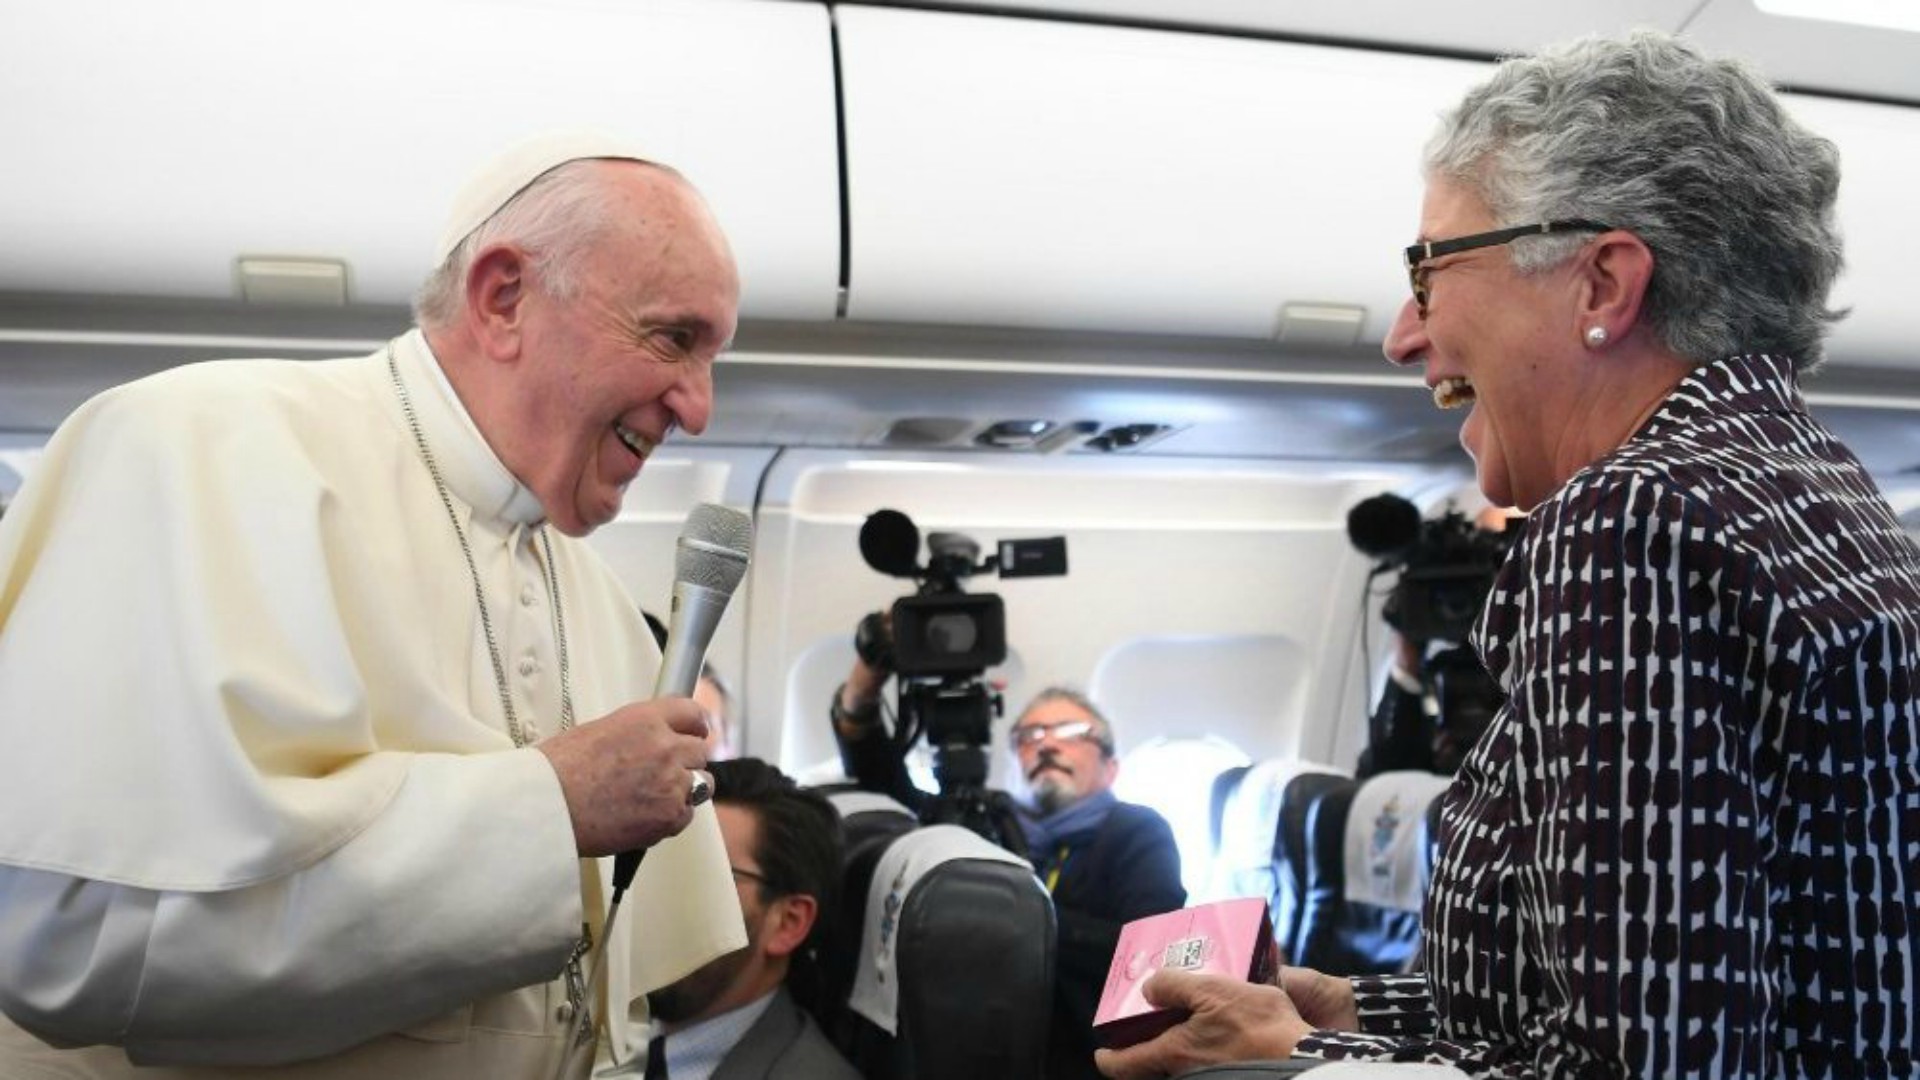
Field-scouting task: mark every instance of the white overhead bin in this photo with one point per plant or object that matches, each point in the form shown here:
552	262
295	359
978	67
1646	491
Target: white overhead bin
341	129
1879	225
1025	173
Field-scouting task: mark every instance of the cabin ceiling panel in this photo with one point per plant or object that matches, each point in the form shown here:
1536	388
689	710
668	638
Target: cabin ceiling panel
1024	173
342	130
1814	54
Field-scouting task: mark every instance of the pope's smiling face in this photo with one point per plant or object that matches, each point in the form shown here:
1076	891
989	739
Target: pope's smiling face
608	373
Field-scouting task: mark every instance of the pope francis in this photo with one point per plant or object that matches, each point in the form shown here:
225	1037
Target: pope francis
319	714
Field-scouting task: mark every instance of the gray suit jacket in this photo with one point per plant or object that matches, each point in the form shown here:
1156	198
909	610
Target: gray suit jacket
784	1044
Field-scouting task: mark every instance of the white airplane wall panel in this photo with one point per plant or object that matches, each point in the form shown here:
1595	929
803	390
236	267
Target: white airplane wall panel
1250	690
639	544
1018	172
150	144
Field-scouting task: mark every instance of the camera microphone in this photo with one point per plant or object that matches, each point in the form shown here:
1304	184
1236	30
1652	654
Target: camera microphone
890	542
709	560
1383	526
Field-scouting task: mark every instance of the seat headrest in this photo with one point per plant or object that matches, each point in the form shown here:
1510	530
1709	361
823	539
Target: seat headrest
1387	851
956	958
1250	801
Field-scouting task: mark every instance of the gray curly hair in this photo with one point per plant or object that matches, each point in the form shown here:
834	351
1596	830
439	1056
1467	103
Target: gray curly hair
1693	155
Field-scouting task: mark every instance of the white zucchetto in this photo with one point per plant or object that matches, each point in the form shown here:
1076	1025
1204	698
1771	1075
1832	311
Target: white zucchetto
494	186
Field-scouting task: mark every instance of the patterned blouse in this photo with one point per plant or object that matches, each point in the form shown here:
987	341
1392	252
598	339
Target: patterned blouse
1690	845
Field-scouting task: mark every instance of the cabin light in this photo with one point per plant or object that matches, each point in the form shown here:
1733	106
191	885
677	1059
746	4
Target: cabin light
296	281
1879	14
1320	326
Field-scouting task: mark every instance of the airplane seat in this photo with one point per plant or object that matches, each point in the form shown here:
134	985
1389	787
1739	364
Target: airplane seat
868	823
1259	836
951	962
1434	836
1368	862
1222	789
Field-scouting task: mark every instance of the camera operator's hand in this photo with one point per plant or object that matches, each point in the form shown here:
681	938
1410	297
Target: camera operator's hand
859	697
1409	659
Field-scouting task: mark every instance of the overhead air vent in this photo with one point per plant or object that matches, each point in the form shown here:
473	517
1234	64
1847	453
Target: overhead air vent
1127	437
1014	434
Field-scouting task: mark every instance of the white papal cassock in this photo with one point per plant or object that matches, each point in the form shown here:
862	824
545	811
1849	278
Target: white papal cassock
261	805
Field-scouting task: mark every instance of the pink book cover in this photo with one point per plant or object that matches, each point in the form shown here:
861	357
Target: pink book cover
1229	937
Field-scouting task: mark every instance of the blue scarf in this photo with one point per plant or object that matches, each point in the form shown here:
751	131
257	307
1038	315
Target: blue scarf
1045	833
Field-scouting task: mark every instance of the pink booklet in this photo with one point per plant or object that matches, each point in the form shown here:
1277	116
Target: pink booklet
1229	937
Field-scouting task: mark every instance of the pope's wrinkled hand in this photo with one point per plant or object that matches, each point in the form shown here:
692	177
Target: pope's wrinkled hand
626	775
1229	1020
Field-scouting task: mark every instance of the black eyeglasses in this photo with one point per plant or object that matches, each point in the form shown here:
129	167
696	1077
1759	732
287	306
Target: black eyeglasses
1419	254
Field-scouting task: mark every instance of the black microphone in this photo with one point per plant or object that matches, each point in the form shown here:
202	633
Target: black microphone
709	560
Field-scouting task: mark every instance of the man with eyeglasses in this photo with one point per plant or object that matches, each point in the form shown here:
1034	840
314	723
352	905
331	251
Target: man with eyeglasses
734	1018
1104	861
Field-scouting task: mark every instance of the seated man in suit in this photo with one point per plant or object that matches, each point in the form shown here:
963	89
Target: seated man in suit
734	1019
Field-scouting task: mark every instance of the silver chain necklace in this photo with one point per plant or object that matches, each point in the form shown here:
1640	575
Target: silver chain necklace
514	730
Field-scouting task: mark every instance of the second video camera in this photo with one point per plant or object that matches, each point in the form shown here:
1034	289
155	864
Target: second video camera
1447	565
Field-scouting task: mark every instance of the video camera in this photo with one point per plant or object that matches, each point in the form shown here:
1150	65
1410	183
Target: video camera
1447	565
943	641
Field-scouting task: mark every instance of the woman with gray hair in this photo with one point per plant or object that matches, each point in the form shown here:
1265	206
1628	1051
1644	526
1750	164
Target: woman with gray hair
1685	847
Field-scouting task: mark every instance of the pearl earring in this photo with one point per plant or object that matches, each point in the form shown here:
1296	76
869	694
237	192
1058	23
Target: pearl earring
1596	336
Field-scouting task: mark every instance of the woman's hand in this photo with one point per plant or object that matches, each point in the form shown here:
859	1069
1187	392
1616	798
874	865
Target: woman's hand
1229	1020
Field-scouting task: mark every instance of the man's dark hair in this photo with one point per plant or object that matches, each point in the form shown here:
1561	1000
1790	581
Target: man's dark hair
797	844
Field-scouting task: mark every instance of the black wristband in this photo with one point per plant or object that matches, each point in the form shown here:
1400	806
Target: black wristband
859	718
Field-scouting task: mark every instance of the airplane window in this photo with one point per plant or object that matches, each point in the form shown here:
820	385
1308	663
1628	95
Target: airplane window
1175	777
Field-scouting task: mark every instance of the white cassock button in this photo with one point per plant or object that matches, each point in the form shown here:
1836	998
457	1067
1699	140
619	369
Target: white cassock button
527	666
527	596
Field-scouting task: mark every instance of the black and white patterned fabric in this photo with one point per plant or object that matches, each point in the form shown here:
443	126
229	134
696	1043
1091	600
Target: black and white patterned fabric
1690	844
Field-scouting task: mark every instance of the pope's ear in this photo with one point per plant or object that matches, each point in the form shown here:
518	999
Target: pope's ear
496	292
